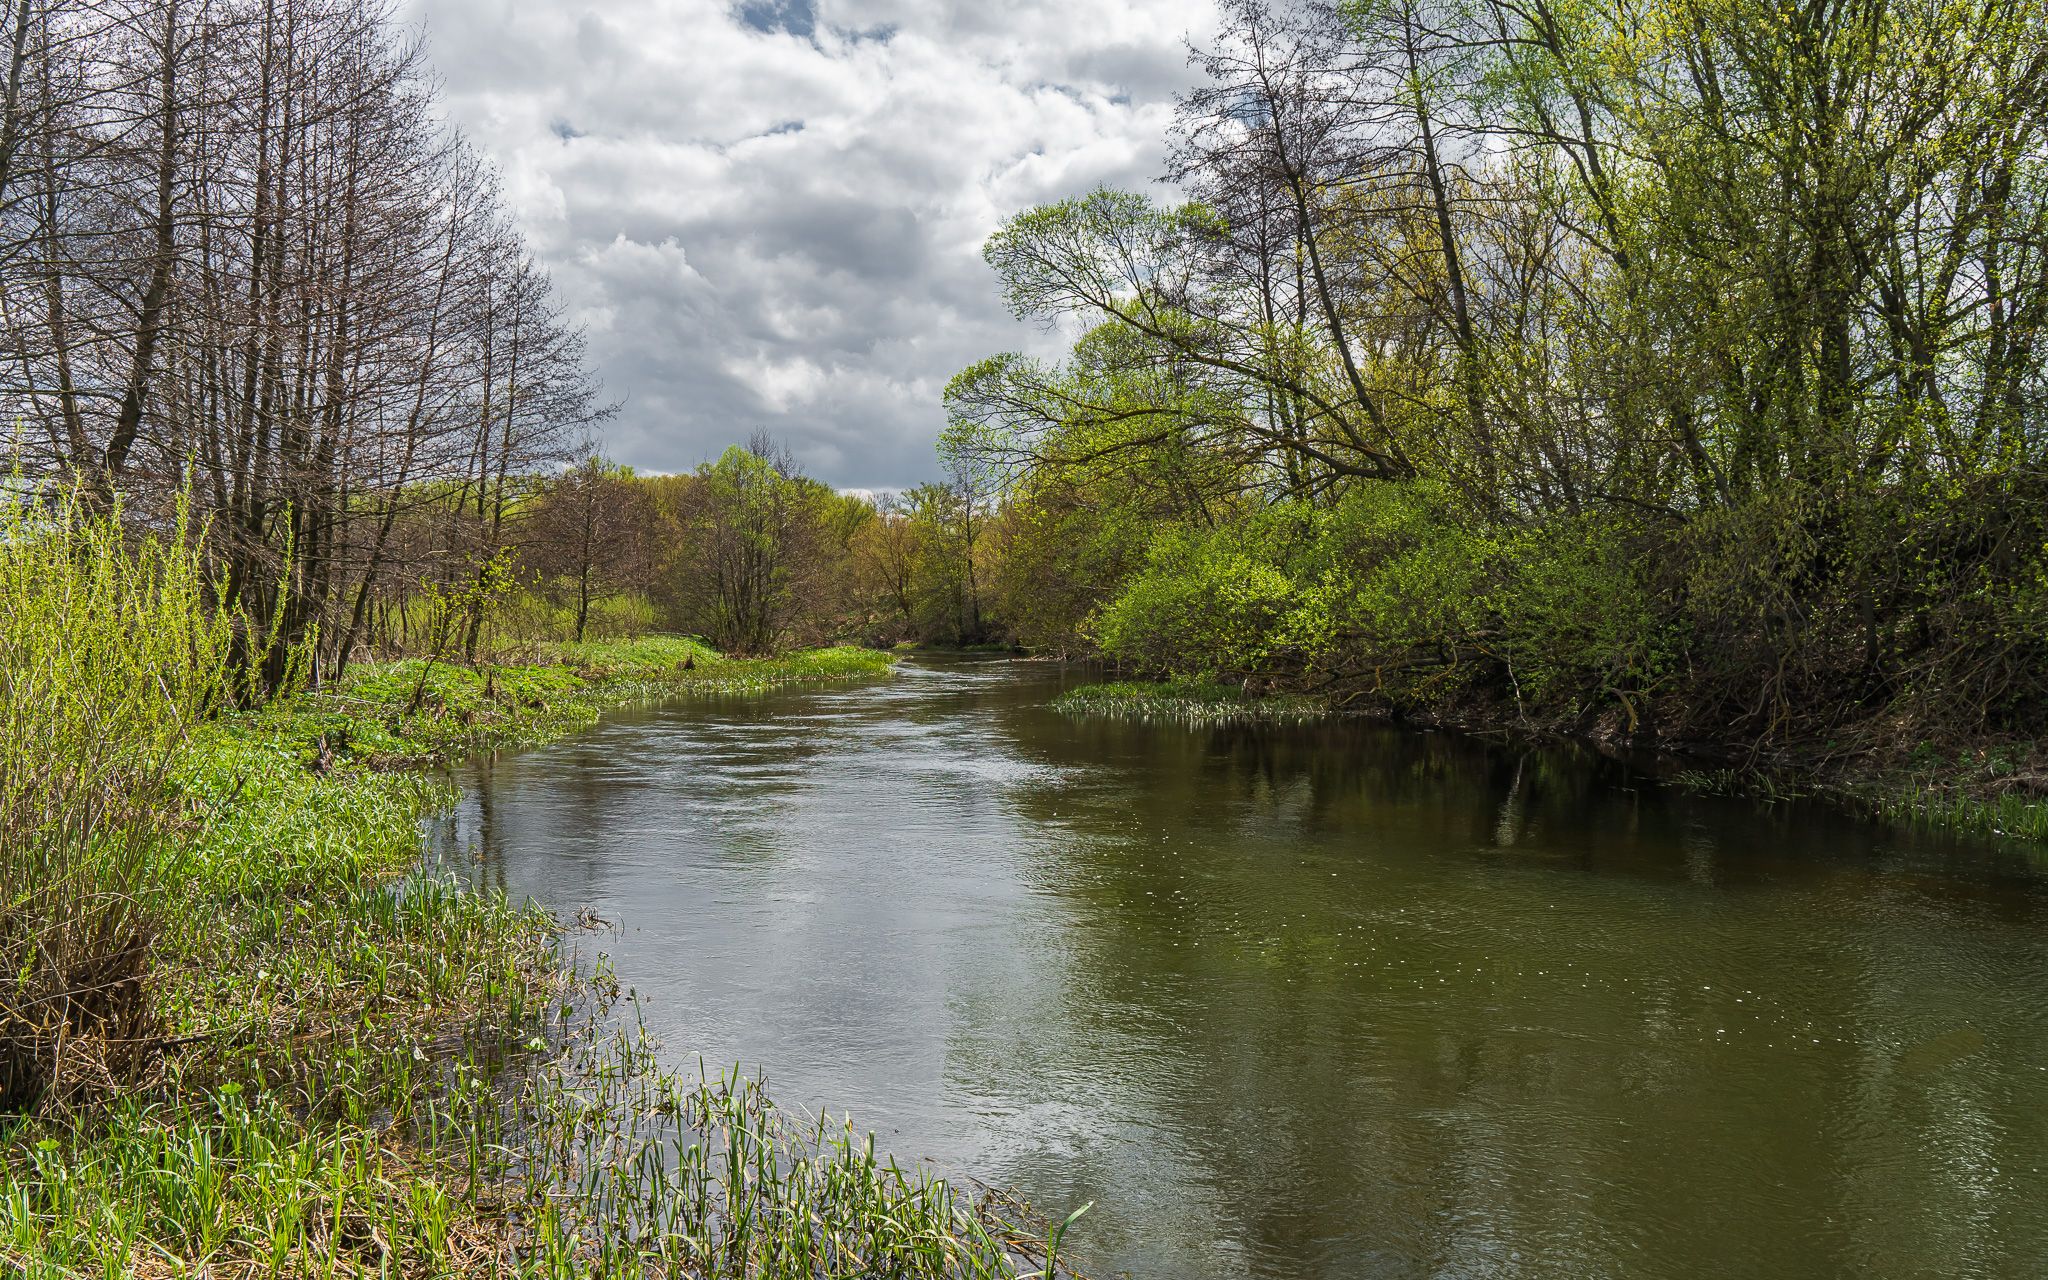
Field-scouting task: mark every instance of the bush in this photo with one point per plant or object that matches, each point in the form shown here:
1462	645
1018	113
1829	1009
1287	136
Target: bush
109	656
1212	602
1578	617
1391	585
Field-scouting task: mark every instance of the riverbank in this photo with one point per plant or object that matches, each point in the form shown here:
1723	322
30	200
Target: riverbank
1992	789
353	1067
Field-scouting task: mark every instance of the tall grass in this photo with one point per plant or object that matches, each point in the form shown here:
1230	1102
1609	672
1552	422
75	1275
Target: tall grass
108	659
1188	702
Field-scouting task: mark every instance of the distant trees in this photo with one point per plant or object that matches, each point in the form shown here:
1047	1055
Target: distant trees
747	529
751	554
592	531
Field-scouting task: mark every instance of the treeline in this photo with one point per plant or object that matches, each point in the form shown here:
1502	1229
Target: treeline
1672	368
242	262
746	551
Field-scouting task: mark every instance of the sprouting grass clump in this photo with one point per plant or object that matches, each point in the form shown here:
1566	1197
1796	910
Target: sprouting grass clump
804	666
664	666
1193	702
637	656
109	658
633	1170
1982	792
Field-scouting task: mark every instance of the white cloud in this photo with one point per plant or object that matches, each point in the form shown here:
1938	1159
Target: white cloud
769	214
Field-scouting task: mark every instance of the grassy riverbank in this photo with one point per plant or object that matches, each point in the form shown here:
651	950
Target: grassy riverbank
1971	791
413	712
337	1064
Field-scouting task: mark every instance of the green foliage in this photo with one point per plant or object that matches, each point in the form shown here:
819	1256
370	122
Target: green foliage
1211	602
1681	377
1392	582
755	542
639	657
1577	615
332	1094
109	660
267	824
1402	579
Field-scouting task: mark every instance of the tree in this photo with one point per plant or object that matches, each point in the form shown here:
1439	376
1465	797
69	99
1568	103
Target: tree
1681	359
589	532
744	526
240	254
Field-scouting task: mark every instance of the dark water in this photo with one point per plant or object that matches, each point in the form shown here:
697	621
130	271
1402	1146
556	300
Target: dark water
1331	1001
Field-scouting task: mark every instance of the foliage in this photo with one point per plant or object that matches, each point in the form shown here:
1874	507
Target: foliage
759	551
1664	372
109	660
1209	603
334	1073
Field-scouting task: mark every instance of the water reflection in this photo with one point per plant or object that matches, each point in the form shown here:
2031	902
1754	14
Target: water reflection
1330	1001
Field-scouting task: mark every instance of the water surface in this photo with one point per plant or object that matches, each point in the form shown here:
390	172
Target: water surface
1332	1001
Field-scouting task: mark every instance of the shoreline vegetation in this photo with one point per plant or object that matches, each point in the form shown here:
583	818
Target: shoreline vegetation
1984	791
246	1032
1189	702
1436	386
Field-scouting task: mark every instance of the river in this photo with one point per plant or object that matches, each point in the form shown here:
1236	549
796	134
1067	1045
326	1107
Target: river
1317	1001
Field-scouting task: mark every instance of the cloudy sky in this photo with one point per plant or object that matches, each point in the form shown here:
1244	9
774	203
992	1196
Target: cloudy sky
769	213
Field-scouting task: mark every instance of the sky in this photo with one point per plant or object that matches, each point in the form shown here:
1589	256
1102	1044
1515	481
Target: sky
768	214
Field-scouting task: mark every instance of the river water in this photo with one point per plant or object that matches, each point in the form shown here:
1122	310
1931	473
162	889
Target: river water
1320	1001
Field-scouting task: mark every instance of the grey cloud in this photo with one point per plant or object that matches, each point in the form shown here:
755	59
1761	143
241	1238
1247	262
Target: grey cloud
767	219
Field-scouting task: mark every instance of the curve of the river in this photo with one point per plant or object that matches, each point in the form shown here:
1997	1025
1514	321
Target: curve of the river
1324	1001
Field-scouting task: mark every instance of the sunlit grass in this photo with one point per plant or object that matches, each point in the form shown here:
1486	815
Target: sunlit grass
411	712
1187	702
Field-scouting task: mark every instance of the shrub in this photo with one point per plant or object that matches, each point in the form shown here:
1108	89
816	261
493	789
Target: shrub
1210	602
109	655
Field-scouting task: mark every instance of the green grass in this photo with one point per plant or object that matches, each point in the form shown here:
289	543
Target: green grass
356	1068
411	713
1187	702
2006	816
1965	796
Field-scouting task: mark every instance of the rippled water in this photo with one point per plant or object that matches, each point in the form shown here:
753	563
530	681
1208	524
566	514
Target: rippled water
1322	1001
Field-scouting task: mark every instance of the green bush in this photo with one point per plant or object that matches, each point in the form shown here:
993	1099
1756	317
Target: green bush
1211	602
1577	616
109	657
1391	584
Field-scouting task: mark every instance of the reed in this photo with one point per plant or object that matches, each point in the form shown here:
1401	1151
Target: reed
1188	702
108	660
